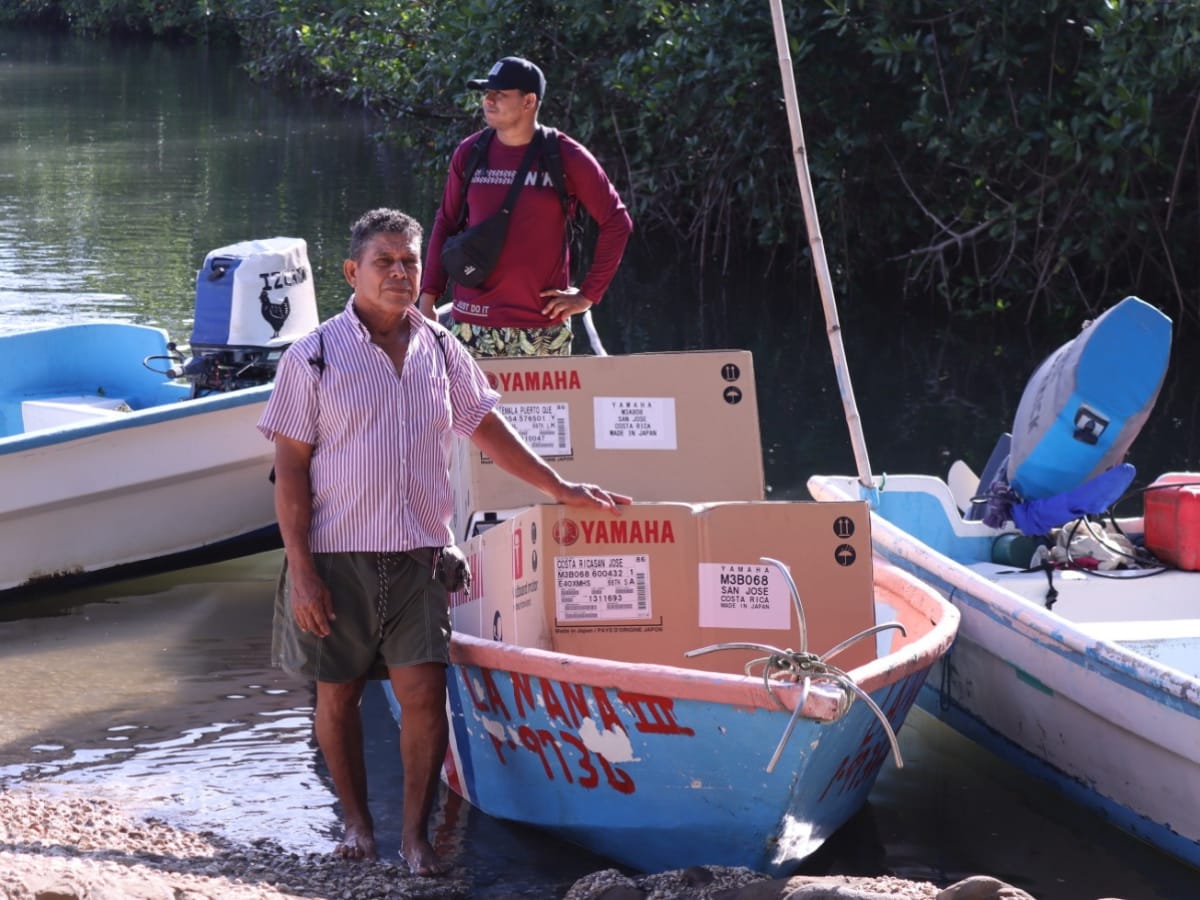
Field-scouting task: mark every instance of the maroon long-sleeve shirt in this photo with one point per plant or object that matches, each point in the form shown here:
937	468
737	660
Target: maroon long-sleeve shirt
535	257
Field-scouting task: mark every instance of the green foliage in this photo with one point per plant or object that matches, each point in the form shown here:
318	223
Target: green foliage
995	157
161	18
1042	151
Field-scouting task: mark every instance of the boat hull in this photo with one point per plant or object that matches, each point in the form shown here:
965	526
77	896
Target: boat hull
108	465
159	482
1093	701
660	767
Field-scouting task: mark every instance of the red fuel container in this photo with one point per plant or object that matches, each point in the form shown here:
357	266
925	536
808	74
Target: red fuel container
1173	519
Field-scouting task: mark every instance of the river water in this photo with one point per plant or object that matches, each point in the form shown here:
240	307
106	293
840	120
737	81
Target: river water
123	164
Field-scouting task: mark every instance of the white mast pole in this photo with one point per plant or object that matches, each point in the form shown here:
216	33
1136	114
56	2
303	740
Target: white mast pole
816	243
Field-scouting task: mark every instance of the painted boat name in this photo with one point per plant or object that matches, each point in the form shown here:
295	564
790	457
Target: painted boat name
566	705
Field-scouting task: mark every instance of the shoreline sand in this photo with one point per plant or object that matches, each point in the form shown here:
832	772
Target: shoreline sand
62	846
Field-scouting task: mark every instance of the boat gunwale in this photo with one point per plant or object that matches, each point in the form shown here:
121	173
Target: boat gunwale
740	690
1058	634
176	409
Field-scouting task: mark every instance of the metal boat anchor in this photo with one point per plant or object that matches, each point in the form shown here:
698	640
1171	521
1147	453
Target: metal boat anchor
801	665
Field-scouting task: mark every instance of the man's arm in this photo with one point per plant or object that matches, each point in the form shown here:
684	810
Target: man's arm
499	440
312	605
587	179
427	304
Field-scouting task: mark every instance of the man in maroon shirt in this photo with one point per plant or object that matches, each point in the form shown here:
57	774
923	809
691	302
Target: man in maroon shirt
525	304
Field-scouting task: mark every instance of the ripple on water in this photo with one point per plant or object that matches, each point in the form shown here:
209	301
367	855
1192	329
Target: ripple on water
142	692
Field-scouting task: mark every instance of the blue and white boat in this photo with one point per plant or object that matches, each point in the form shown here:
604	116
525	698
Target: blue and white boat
1072	662
117	451
1094	688
622	745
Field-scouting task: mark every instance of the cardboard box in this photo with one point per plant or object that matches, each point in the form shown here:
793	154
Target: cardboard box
665	578
657	426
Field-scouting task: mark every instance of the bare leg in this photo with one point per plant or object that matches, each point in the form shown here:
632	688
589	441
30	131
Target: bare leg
421	690
339	734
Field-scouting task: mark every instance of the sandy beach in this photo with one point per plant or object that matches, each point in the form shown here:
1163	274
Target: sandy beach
56	845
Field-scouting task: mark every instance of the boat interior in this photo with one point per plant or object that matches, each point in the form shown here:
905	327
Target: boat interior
681	597
1150	611
82	373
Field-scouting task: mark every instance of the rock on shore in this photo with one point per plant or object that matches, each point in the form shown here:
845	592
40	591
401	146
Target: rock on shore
64	847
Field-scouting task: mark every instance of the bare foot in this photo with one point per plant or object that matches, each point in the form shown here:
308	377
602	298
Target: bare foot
423	860
358	843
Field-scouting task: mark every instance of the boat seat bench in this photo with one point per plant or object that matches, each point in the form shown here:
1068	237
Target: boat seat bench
50	412
1163	622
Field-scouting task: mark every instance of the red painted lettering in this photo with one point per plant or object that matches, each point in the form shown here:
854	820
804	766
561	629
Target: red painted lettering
548	740
529	741
608	716
522	694
592	778
899	698
655	715
493	695
576	704
498	746
618	780
852	773
554	707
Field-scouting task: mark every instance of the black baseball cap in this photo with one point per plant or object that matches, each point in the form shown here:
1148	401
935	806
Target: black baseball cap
512	73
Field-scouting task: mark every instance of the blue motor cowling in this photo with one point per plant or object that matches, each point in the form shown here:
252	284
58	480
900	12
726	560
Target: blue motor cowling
1087	401
253	299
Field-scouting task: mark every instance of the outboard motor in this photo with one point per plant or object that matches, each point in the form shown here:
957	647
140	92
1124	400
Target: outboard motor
253	299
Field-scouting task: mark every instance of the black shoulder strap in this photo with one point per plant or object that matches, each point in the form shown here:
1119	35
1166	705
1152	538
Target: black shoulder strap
552	157
441	337
475	156
518	182
318	361
552	160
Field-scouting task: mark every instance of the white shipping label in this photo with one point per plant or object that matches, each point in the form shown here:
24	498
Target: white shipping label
741	595
598	588
634	423
546	427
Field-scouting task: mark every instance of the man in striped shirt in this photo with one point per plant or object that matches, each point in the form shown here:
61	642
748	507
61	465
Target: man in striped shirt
362	416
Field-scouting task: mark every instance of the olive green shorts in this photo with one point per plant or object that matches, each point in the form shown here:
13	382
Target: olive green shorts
483	340
390	613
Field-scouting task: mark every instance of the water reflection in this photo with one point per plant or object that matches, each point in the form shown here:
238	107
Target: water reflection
125	166
158	694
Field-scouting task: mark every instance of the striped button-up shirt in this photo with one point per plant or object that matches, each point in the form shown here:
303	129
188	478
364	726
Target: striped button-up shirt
381	441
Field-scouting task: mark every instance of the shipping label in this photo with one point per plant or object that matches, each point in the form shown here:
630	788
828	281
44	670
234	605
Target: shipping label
599	588
635	423
546	427
744	595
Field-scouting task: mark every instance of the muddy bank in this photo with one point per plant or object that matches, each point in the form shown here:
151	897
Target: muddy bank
66	847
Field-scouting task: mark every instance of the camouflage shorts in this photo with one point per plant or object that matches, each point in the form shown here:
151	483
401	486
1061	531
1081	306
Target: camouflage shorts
482	340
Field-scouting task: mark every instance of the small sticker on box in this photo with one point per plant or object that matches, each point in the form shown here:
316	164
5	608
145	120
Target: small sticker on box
744	595
546	427
634	423
600	588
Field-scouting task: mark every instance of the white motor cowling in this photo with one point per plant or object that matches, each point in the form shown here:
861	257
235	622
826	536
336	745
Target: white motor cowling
253	299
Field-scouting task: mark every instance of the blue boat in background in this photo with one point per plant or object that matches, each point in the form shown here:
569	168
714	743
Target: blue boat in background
119	453
1078	656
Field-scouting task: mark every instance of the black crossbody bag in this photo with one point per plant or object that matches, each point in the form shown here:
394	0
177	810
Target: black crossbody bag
470	255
